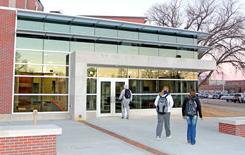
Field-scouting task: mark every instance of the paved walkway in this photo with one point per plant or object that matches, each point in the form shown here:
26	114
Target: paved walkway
79	138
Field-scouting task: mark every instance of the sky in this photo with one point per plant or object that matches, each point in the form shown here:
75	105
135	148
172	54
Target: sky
122	8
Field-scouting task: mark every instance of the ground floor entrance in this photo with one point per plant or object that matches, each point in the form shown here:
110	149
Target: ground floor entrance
108	92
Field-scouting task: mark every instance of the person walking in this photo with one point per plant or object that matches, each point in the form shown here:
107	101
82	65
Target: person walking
164	103
191	108
126	97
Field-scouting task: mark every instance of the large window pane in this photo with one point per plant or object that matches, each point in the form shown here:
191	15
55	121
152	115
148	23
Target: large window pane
40	103
56	58
105	48
148	37
112	72
91	86
167	38
188	85
133	73
188	75
167	52
56	45
30	25
34	57
91	102
165	74
185	54
143	86
184	40
148	73
61	28
55	71
177	100
38	85
29	43
174	86
82	30
143	102
106	32
148	51
127	35
28	70
92	72
82	47
128	49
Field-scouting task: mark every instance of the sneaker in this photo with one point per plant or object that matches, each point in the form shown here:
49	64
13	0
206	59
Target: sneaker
169	137
189	141
158	138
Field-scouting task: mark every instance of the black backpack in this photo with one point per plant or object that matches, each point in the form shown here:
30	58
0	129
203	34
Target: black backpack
127	94
162	104
191	107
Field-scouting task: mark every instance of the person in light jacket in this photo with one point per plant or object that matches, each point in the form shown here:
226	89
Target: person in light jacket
126	99
164	118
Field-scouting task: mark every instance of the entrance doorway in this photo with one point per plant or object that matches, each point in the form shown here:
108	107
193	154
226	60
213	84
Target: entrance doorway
108	92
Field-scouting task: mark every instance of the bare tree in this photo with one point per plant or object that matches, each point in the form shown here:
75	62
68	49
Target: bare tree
223	22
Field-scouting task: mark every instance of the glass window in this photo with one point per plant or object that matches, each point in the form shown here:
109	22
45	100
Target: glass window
40	103
174	86
92	72
29	43
55	70
112	72
34	57
106	32
56	45
148	37
30	25
143	86
105	48
165	74
167	52
38	85
28	70
185	54
177	100
143	102
82	30
56	58
188	85
128	49
148	51
167	38
82	47
91	102
184	40
127	35
61	28
133	73
187	75
148	73
91	86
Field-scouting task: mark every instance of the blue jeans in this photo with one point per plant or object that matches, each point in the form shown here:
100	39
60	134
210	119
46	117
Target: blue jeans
191	129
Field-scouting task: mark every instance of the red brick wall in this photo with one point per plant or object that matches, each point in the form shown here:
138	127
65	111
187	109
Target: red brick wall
20	4
31	5
4	2
36	145
7	37
238	130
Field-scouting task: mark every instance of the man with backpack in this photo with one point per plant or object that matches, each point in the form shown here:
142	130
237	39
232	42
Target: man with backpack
190	109
126	97
164	103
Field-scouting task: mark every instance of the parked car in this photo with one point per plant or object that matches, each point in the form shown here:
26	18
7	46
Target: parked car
228	97
239	97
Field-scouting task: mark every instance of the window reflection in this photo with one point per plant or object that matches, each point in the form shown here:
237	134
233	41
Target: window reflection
34	57
91	102
143	102
56	58
91	86
148	73
40	103
92	72
38	85
112	72
29	43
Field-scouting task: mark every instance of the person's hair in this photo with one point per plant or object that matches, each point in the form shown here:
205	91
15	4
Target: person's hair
161	93
192	92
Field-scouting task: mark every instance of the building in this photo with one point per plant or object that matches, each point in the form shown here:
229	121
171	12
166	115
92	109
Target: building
76	66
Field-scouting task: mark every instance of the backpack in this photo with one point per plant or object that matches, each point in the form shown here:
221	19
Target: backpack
191	107
162	104
127	94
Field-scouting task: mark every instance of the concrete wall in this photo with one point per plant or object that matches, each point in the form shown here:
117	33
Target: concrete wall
78	74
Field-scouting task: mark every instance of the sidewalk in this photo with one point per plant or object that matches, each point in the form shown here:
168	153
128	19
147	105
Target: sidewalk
78	138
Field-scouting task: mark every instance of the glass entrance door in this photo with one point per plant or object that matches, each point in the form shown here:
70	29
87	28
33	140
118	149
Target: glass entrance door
109	90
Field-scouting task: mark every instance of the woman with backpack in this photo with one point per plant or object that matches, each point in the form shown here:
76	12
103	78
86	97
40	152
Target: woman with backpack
191	108
164	103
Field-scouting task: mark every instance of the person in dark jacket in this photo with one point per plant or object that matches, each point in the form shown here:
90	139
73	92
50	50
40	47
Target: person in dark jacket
191	109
